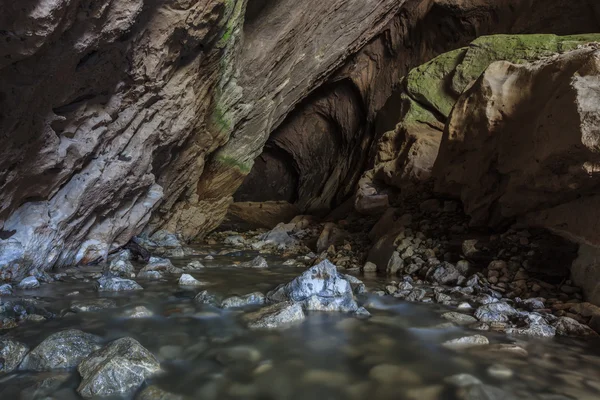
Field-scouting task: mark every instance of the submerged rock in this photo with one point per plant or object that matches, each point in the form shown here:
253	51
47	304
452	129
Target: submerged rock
320	288
60	350
11	354
205	297
119	368
274	316
113	284
466	342
256	298
137	312
92	305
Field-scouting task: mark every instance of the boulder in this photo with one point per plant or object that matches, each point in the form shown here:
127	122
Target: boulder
121	265
61	350
320	288
120	368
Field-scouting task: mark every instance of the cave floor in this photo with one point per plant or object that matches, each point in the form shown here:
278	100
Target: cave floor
208	353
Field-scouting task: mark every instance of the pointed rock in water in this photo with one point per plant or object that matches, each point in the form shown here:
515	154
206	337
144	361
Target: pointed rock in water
251	299
320	288
257	262
61	350
11	354
190	281
113	284
30	282
119	368
274	316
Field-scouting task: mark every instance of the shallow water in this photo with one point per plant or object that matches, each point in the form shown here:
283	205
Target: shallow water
207	353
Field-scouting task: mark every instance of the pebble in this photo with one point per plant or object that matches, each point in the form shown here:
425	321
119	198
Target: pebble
466	342
370	267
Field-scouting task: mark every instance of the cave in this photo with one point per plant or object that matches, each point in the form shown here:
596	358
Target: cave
275	199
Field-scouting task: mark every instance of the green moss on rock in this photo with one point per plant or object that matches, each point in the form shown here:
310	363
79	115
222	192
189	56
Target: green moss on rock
428	83
233	162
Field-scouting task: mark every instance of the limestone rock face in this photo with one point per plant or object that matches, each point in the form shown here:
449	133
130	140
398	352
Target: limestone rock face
523	142
126	116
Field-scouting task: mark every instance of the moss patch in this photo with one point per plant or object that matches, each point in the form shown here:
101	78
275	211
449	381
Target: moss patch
233	162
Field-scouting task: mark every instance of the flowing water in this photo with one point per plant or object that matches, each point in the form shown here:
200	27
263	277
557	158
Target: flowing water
207	353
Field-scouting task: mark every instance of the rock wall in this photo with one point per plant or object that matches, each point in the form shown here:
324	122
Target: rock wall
117	115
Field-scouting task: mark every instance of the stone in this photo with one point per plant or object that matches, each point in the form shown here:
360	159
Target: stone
195	265
393	374
205	297
121	265
320	288
92	305
446	274
466	342
137	312
156	393
395	265
29	283
113	284
499	371
495	312
469	248
5	290
119	368
186	280
369	267
256	262
462	380
64	349
536	325
275	316
566	326
251	299
162	265
235	240
506	349
11	354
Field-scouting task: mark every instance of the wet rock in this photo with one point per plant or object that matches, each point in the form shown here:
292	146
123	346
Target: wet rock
536	325
469	248
29	283
187	280
92	305
566	326
369	267
466	342
462	380
279	236
395	265
393	374
459	318
195	265
495	312
320	288
119	368
156	393
484	392
162	265
506	349
275	315
234	240
121	265
205	297
498	371
150	275
446	274
251	299
60	350
11	354
137	312
257	262
113	284
5	290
